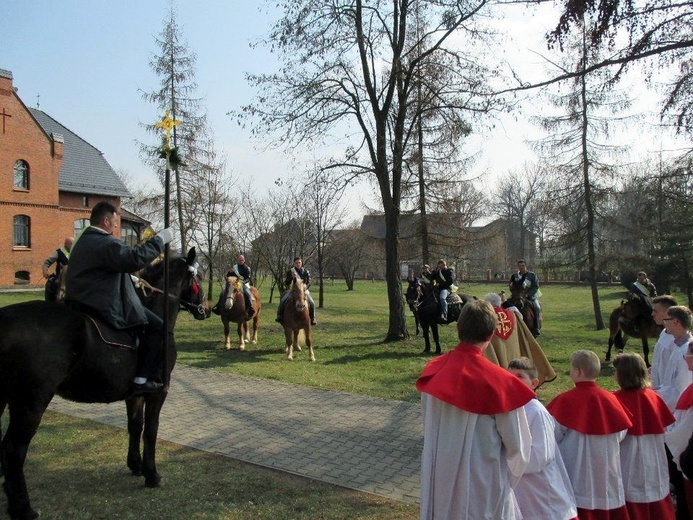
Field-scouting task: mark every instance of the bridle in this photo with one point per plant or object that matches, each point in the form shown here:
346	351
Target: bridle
194	288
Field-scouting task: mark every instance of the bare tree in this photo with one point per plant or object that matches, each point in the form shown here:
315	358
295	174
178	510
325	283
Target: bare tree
356	62
516	200
324	195
347	251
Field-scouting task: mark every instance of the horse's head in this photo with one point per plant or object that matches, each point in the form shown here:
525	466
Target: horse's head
298	293
185	284
233	286
413	291
518	294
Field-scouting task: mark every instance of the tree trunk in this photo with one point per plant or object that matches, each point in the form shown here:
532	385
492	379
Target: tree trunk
397	329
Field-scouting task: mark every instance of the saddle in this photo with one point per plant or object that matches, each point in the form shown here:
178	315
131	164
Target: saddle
121	338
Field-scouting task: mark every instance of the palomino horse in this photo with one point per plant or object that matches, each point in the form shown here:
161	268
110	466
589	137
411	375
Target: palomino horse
518	298
297	318
633	318
47	348
234	310
427	312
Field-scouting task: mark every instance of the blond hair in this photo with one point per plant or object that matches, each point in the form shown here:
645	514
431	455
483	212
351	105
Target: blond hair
587	362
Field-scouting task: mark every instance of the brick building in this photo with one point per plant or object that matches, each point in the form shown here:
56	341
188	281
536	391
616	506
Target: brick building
50	178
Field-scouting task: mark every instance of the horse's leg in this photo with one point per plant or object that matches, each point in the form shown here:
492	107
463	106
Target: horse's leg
256	319
309	343
427	339
152	410
416	322
135	409
22	427
227	335
436	339
241	340
646	350
288	338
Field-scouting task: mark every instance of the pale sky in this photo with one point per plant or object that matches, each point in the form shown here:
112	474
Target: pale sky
84	61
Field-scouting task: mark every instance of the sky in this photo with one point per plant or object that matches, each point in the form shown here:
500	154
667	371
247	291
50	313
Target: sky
86	62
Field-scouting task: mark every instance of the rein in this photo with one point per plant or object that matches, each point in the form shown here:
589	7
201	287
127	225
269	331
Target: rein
147	289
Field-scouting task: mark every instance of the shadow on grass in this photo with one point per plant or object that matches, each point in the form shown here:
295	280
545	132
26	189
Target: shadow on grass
375	356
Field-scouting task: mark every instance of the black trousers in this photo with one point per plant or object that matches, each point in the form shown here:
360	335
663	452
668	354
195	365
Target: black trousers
150	358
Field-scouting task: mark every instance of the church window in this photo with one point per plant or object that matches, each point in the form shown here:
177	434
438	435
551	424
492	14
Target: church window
21	175
22	228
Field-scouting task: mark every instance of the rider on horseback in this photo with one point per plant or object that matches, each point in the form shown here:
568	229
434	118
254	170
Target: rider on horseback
443	277
242	272
528	279
300	272
98	281
59	257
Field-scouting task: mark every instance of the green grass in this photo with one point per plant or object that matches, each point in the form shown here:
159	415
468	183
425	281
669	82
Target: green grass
76	469
348	340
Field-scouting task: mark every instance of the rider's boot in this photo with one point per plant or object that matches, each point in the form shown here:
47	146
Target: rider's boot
311	313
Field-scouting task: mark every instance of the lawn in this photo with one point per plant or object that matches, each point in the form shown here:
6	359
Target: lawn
76	468
351	354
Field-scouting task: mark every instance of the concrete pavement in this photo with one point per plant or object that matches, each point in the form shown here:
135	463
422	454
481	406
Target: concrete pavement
363	443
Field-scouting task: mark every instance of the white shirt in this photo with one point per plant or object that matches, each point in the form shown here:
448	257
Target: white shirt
471	462
544	491
675	377
645	468
678	436
661	352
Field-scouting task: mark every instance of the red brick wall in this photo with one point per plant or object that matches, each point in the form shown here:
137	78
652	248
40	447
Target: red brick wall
52	213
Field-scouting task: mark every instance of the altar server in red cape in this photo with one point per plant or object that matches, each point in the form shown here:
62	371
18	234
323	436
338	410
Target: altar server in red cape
544	492
476	437
591	423
643	456
678	436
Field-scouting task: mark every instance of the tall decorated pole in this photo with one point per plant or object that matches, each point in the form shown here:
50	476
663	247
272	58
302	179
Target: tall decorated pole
168	124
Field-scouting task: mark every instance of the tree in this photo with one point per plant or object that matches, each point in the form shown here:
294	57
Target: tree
578	156
516	200
175	67
323	197
355	62
657	29
347	251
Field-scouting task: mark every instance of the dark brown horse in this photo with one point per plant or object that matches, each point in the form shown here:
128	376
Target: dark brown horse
411	295
234	310
518	298
427	311
633	318
47	349
296	319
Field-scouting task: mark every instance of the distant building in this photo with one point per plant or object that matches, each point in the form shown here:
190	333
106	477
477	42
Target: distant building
475	252
50	178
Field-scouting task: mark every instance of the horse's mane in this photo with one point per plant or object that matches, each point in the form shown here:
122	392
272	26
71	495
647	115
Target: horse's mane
154	272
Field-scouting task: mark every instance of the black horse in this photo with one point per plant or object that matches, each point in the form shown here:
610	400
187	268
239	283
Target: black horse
423	300
518	298
47	349
633	318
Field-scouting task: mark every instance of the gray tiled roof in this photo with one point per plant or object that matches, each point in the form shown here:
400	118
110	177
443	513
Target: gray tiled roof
84	170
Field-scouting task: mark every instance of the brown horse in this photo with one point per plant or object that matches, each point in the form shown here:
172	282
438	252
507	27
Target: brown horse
296	318
234	310
633	318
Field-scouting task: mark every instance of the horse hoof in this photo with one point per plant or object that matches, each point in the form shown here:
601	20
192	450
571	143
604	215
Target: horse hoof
241	348
312	358
152	482
298	349
290	358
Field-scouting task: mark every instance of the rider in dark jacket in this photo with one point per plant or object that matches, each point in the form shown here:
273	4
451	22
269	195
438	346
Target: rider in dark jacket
443	277
300	272
98	281
242	272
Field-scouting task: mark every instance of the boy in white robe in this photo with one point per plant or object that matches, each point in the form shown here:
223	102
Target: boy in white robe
476	437
544	491
591	423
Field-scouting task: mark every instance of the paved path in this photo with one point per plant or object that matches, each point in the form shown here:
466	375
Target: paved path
358	442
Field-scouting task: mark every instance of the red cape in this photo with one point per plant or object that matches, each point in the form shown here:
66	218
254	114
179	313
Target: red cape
590	410
650	413
686	399
470	382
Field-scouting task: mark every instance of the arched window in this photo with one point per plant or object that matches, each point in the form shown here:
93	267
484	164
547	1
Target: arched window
21	175
80	225
22	231
21	277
